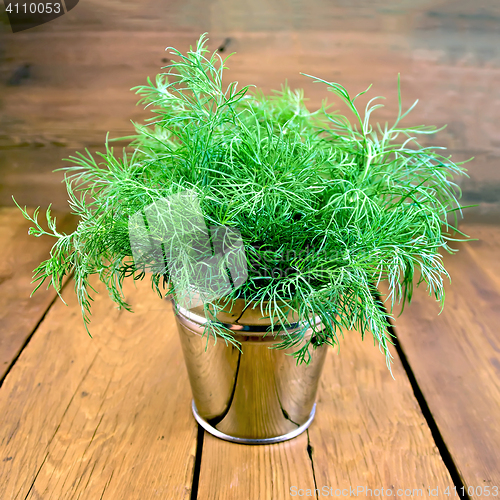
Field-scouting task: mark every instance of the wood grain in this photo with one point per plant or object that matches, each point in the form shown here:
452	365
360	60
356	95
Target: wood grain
21	253
369	431
79	82
455	357
235	471
107	417
485	251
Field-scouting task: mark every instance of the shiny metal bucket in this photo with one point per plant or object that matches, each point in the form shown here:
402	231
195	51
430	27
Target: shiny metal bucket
256	396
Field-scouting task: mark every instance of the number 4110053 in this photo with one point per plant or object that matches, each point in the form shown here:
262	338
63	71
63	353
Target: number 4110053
34	8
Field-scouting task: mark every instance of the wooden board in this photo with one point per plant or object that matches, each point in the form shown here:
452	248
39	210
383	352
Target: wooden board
107	417
84	78
455	357
21	253
485	251
235	471
369	431
80	76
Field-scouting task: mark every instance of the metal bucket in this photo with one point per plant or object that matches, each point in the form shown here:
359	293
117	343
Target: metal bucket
256	396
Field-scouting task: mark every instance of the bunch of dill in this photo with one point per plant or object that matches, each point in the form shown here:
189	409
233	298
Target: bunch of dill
326	209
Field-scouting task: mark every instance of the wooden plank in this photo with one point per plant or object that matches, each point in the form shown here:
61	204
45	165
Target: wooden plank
107	417
27	174
79	83
485	251
369	431
21	253
236	471
455	357
86	87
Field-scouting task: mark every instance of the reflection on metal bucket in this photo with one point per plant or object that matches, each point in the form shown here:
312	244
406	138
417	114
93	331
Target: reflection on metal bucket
255	396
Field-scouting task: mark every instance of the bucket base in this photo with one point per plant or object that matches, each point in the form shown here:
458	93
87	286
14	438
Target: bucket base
277	439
